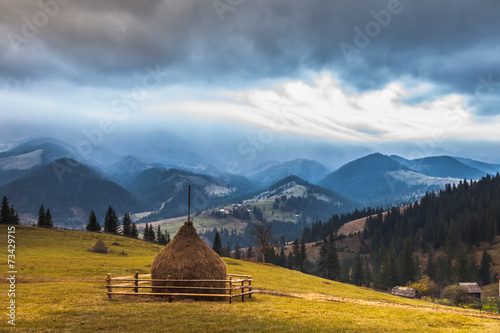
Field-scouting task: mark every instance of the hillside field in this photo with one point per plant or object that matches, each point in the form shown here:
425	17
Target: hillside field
60	287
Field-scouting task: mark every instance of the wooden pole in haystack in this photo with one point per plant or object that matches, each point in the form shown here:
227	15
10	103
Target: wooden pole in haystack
189	203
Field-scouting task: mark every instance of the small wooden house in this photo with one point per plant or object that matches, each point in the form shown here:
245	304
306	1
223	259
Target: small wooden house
404	292
473	289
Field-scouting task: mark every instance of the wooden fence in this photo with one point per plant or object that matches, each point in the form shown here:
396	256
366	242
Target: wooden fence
236	285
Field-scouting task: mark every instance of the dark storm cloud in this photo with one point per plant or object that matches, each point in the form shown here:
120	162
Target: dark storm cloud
449	43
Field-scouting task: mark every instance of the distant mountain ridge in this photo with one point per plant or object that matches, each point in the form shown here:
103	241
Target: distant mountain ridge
308	170
70	190
369	180
441	166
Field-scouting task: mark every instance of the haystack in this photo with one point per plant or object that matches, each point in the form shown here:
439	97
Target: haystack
99	247
188	257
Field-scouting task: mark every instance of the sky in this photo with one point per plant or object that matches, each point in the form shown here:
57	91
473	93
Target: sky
346	71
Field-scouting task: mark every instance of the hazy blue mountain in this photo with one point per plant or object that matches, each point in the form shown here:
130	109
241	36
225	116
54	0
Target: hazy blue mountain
371	180
490	168
311	201
129	167
308	170
70	189
443	166
31	155
166	191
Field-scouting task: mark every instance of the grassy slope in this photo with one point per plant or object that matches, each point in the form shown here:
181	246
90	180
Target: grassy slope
61	288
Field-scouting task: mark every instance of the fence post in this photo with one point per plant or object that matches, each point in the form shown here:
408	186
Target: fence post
136	283
250	286
169	291
230	289
243	291
110	296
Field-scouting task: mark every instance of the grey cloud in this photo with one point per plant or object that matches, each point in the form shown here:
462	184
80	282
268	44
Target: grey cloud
449	43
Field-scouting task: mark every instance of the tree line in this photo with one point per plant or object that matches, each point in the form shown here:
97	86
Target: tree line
8	215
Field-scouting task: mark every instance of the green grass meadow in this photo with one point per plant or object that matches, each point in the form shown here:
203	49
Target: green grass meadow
60	287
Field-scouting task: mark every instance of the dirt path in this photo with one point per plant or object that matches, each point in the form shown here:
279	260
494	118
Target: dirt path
432	307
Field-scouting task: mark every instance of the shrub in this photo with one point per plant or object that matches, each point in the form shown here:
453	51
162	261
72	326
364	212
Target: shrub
457	295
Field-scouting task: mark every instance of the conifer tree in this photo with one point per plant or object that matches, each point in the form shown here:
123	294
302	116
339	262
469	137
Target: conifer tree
160	237
357	273
296	254
167	237
407	267
127	225
431	268
41	216
226	250
14	216
249	251
484	269
111	221
93	224
48	219
134	232
237	251
328	264
283	261
303	255
345	270
217	245
5	217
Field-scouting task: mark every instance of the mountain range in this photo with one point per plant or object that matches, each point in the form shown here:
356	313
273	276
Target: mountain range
37	172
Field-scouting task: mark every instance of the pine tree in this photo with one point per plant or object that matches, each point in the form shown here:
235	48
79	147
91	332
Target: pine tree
329	266
407	267
134	232
249	251
111	221
160	237
296	254
13	216
5	217
226	250
41	216
282	262
431	268
167	237
237	251
217	245
48	219
345	270
303	255
357	273
484	269
93	224
127	225
462	267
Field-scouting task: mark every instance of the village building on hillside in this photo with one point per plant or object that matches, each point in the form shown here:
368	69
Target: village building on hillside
404	292
472	288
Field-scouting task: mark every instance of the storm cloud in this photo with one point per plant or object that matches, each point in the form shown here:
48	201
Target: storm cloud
433	48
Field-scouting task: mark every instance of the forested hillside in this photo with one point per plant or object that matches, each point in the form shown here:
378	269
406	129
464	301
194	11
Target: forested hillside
451	222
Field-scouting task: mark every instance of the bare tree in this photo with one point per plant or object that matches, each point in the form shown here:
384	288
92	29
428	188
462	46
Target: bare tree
262	237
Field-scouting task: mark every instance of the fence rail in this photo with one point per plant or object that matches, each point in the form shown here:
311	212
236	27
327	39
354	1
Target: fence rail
231	290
